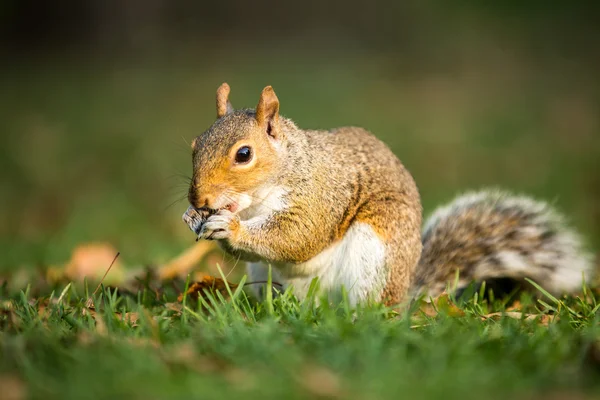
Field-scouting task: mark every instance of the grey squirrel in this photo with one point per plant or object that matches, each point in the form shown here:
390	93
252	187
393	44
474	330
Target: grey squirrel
340	206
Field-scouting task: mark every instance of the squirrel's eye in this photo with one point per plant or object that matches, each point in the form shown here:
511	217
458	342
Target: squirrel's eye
243	155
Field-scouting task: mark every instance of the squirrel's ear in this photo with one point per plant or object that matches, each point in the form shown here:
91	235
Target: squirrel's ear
223	105
267	111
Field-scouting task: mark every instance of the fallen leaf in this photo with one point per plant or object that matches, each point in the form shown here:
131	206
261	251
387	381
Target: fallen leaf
13	388
210	284
174	307
441	303
542	319
91	260
43	308
546	319
130	317
184	263
8	317
445	304
515	306
426	309
7	305
100	324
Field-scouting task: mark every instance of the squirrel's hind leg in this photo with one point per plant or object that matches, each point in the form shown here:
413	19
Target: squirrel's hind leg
398	225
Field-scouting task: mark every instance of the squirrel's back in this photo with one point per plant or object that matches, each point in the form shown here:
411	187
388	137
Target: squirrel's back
500	238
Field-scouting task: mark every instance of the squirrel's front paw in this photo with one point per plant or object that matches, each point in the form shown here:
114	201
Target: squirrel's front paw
223	225
194	218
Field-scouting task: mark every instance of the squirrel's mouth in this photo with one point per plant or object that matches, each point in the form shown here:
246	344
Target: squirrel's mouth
232	207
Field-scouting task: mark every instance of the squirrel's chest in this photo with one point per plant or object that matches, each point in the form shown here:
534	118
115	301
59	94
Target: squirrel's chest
357	262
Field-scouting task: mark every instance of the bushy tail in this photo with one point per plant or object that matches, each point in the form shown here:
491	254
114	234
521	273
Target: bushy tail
501	239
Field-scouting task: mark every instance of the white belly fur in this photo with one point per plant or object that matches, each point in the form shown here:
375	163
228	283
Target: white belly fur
357	262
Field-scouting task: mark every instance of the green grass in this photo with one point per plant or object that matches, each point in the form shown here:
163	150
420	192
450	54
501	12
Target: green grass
134	345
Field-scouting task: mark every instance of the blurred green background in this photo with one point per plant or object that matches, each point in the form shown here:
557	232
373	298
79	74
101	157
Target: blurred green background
99	99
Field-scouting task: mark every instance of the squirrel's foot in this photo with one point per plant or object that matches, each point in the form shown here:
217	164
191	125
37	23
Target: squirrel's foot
222	225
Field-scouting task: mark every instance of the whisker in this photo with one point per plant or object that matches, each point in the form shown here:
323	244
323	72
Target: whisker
186	142
175	202
186	179
178	146
180	175
179	187
234	265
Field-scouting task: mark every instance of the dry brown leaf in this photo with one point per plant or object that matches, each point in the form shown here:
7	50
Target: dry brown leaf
43	307
445	304
546	319
100	324
7	309
427	309
184	263
91	260
13	388
210	284
542	319
515	306
174	307
440	303
432	307
130	317
7	305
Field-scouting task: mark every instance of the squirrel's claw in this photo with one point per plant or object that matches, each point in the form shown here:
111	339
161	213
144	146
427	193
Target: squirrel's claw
219	226
194	219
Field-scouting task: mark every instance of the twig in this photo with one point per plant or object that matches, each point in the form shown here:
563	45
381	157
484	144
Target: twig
257	282
88	303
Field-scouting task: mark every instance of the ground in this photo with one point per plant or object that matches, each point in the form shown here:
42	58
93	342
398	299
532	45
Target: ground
145	343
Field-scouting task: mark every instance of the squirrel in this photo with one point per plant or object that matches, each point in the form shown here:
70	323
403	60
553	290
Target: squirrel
339	206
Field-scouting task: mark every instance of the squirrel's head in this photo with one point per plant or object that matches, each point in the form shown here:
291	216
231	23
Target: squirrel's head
237	154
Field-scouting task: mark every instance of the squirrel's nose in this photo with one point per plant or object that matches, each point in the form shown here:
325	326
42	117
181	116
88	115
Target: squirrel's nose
201	201
205	201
